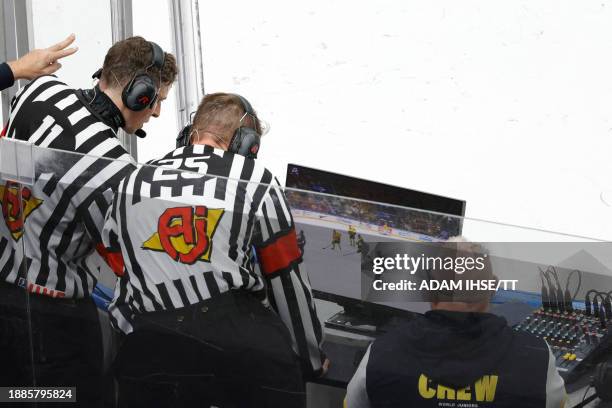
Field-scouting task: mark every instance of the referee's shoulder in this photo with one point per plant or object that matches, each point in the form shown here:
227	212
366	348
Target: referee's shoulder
36	86
266	173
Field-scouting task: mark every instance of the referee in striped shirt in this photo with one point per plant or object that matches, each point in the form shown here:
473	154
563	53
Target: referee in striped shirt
204	326
49	230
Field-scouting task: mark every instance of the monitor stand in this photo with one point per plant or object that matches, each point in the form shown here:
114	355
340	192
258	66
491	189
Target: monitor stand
358	320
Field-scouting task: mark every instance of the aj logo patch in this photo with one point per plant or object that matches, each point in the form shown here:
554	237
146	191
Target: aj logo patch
185	233
14	214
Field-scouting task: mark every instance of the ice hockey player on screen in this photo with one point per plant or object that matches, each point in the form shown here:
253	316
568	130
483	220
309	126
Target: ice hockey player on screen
301	241
190	301
351	233
335	240
361	244
47	240
457	355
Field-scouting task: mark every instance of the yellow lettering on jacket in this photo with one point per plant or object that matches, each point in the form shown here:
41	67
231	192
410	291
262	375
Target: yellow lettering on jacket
424	389
485	388
464	394
445	393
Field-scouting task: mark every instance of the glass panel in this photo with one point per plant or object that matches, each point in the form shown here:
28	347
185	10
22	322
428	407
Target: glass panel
18	202
155	26
185	271
69	16
341	92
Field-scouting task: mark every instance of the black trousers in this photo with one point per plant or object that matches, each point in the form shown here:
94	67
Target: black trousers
51	342
229	351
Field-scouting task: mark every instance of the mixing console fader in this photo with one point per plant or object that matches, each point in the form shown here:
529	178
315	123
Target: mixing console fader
576	338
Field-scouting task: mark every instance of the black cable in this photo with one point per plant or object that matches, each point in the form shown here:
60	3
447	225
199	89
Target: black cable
553	272
541	275
604	307
608	306
600	295
591	291
586	391
587	301
546	296
545	274
560	302
579	282
585	402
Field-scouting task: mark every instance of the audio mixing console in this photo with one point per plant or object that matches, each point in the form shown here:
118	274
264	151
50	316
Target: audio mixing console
576	338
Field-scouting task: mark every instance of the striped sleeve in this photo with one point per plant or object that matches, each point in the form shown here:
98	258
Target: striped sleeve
109	246
289	287
97	195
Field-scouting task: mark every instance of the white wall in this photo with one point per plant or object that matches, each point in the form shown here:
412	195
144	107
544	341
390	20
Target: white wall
91	22
152	21
507	105
504	104
53	20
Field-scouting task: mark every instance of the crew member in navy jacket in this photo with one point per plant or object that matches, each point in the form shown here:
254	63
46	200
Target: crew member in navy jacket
458	355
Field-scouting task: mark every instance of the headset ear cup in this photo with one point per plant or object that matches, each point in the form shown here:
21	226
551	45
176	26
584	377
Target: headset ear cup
245	142
235	142
139	93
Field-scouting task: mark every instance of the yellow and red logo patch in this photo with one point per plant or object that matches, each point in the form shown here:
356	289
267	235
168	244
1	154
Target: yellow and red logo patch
14	214
185	233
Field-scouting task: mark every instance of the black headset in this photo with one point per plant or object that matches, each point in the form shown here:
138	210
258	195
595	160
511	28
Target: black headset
245	141
141	92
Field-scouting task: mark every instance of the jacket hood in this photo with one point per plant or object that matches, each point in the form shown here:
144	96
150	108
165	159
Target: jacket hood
451	345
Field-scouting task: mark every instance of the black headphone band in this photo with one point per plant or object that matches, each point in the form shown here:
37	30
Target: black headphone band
245	141
246	105
157	56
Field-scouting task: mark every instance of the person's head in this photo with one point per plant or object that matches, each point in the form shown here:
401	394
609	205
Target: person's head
463	300
219	116
126	60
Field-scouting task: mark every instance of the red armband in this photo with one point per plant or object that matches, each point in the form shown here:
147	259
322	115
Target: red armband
113	259
279	254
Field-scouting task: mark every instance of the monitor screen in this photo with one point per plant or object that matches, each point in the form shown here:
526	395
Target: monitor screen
353	209
321	181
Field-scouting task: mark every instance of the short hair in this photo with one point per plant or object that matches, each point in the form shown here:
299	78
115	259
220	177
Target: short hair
128	57
219	114
459	246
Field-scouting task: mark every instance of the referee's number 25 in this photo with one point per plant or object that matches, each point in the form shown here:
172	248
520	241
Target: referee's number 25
195	167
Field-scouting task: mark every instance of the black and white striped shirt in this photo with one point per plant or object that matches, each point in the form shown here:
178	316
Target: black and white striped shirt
186	226
72	186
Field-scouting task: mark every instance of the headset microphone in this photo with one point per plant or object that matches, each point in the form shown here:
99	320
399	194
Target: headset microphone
183	137
140	133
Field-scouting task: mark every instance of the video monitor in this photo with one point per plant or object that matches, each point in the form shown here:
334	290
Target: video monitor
375	211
